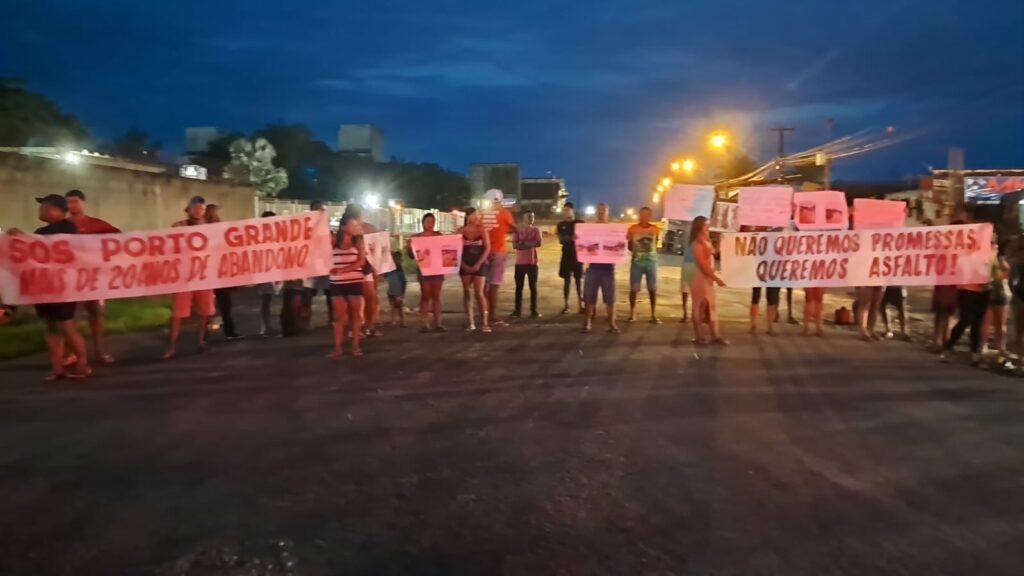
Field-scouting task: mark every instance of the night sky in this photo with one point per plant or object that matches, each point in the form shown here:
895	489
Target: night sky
602	92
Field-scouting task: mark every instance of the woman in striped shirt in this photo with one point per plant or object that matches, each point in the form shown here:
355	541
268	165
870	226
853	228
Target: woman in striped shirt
346	278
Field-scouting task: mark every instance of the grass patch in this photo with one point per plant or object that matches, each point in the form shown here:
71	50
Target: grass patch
24	335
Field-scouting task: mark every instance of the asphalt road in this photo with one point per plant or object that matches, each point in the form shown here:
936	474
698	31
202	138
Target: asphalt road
533	450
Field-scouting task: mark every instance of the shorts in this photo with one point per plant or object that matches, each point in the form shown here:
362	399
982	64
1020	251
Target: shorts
599	278
266	289
640	270
893	296
59	312
93	306
997	289
203	300
686	276
944	300
347	291
772	295
479	273
569	267
432	280
496	269
321	283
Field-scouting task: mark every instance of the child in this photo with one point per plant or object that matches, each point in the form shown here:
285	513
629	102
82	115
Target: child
396	290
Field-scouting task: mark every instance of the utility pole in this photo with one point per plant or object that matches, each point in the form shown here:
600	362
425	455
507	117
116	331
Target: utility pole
782	151
829	124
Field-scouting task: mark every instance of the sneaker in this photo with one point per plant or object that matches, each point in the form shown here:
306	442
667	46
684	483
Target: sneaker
944	356
440	329
565	311
536	315
498	324
889	335
233	336
516	316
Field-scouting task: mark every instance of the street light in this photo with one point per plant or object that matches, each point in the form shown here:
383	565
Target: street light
657	198
630	211
666	182
372	200
590	210
689	165
675	166
718	141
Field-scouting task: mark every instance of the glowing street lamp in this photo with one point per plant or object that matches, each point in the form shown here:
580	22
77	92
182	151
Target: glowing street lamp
590	210
689	165
675	166
657	198
666	182
371	200
718	141
630	211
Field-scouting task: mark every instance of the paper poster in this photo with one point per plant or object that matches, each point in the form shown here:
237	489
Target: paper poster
378	252
824	210
926	256
601	243
869	214
437	255
73	268
688	201
770	206
724	217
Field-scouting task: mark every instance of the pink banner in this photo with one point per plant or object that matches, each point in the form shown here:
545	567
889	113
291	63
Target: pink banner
71	268
765	206
926	256
869	213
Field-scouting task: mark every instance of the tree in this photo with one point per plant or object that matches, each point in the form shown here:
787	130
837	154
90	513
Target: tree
253	161
306	159
135	145
30	119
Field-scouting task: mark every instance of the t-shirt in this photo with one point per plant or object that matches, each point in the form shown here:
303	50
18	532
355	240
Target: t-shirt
566	232
497	225
343	258
643	241
531	237
90	225
58	227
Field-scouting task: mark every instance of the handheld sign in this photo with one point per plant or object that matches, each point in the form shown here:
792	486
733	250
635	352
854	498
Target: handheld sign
724	217
770	206
869	214
687	201
601	243
438	255
825	210
378	252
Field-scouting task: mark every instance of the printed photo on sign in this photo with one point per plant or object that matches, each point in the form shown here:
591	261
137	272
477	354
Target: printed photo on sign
770	206
437	255
601	243
869	213
378	252
925	256
724	217
825	210
73	268
688	201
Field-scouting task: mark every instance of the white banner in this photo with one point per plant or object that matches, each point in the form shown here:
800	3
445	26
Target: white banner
770	206
437	255
824	210
378	252
72	268
688	201
926	256
601	243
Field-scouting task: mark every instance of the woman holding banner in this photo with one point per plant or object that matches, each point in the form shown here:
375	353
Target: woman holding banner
430	285
346	279
476	246
705	309
814	300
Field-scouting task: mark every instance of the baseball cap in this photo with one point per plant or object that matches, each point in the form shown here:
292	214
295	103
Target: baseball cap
55	200
196	200
494	195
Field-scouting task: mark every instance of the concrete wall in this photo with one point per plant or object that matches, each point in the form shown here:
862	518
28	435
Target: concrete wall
127	199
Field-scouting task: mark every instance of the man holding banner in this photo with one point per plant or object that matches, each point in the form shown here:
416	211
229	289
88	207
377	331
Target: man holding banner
203	299
600	277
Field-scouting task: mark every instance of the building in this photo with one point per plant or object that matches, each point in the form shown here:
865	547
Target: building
362	140
504	177
198	139
544	196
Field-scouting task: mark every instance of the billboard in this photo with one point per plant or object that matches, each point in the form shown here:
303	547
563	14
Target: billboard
991	189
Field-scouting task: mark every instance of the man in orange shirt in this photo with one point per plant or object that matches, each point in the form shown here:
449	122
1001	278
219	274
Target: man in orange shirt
498	222
94	308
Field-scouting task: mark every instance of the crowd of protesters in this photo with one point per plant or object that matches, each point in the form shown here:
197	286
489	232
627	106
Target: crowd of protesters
351	289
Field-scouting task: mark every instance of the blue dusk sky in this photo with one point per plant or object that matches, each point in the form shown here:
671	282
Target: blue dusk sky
602	92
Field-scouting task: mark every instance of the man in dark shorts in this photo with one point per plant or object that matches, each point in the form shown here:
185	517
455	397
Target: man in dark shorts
569	268
94	308
893	296
60	316
600	277
773	297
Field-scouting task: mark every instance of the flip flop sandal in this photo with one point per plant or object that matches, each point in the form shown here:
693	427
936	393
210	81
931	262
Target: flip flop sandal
106	359
54	376
357	352
79	375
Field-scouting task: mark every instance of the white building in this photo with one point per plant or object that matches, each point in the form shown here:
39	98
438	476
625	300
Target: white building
362	140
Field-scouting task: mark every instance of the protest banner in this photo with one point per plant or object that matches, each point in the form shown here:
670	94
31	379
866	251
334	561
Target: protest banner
72	268
724	217
378	252
601	243
437	255
823	210
688	201
765	206
869	214
926	256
